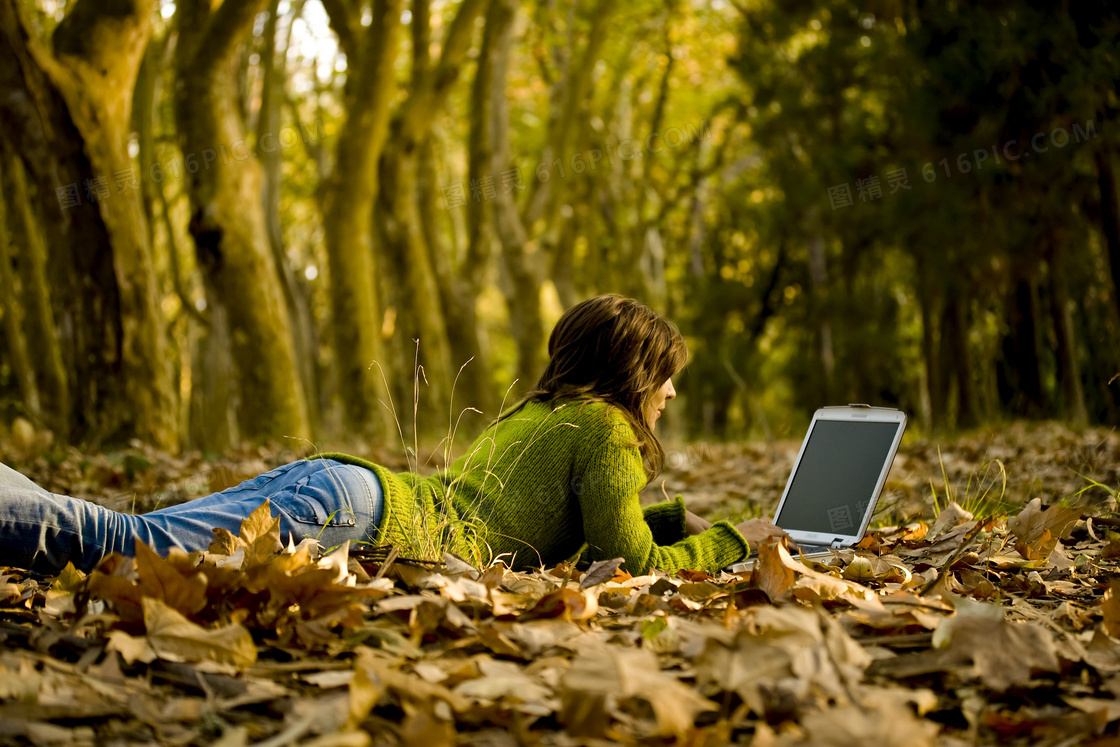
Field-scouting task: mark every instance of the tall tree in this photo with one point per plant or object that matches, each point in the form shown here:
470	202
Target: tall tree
350	197
30	252
71	107
420	312
227	219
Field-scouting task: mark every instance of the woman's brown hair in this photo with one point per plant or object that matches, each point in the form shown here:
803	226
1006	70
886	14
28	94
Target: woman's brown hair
616	350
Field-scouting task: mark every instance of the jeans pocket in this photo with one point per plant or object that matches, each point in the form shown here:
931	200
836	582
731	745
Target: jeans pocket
318	499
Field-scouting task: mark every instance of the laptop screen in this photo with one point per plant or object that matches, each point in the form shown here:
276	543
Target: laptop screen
836	477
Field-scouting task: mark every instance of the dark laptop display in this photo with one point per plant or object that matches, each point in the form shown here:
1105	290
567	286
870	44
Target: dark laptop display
836	477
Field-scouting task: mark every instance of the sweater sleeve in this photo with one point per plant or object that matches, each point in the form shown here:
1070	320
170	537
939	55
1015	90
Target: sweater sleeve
614	524
666	521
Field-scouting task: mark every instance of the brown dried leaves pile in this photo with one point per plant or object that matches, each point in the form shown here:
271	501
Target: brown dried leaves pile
959	632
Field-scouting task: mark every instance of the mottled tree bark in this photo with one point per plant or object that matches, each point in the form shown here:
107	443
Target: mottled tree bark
350	200
81	91
227	219
521	263
421	314
29	250
273	77
12	309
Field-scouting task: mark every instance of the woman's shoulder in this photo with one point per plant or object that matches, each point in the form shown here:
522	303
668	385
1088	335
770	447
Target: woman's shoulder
583	412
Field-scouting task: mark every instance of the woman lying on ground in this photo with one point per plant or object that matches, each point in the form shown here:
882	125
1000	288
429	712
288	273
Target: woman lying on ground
560	469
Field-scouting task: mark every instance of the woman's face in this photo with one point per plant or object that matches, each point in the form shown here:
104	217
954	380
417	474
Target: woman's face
660	398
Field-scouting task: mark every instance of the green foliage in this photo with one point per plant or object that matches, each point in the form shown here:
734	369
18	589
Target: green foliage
981	287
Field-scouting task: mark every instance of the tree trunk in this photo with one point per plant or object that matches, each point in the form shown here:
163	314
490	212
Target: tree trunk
12	309
1020	380
520	264
418	302
459	292
639	246
419	311
213	406
958	357
350	201
273	77
1069	369
38	324
932	337
1110	220
227	221
80	132
99	47
818	275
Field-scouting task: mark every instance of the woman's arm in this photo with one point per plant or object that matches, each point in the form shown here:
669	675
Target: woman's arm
614	523
754	531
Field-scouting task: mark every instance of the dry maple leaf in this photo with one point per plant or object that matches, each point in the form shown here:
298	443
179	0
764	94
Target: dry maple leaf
176	638
566	604
771	574
179	585
590	691
1003	654
812	584
1038	530
784	650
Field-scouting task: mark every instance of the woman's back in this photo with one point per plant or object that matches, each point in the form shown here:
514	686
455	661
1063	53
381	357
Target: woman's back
536	486
520	491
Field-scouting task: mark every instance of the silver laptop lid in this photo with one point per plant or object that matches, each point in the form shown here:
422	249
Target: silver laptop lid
840	471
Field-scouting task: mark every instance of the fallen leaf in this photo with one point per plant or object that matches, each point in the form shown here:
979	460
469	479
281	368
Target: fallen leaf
131	648
591	688
1003	654
566	604
771	574
162	579
1110	609
950	517
176	638
1038	530
822	585
859	570
883	722
600	572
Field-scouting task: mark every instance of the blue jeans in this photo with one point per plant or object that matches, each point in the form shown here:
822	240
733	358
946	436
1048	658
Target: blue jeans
321	499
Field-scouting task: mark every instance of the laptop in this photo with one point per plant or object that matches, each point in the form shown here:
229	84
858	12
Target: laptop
836	480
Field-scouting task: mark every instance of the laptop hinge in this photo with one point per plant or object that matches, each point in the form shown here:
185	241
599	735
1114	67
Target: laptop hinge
837	544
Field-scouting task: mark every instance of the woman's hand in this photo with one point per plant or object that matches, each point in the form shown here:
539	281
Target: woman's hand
693	524
757	531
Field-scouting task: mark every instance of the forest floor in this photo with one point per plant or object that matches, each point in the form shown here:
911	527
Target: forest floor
983	608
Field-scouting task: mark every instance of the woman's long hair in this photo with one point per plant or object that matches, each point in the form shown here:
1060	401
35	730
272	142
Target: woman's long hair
616	350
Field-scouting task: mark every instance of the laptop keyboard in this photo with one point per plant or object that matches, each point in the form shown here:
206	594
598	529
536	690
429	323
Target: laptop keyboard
803	549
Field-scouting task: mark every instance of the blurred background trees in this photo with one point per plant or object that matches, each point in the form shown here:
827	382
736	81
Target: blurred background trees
234	221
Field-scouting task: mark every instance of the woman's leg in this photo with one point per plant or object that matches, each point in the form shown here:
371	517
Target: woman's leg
322	499
9	478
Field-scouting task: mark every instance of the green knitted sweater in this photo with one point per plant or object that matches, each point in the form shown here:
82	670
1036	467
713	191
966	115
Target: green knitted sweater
535	487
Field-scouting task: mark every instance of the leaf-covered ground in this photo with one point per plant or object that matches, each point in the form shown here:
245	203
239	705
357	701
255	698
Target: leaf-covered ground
996	623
